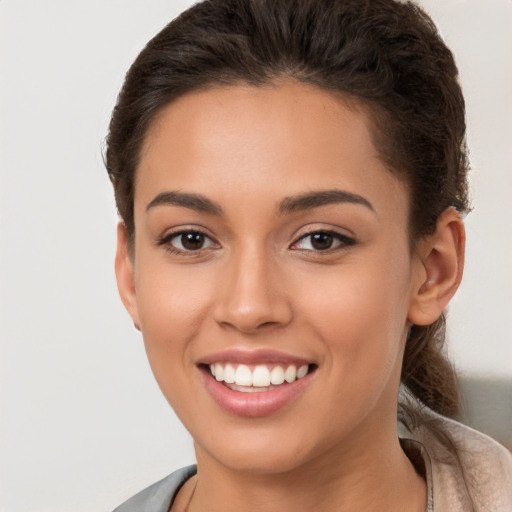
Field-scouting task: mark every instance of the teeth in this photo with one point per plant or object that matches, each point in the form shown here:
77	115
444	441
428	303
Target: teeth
302	371
219	372
277	375
290	374
243	376
260	377
249	389
229	374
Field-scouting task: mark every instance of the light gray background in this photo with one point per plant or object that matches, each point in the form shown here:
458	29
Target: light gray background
83	424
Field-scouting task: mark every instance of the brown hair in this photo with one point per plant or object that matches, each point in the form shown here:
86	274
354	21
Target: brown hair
385	54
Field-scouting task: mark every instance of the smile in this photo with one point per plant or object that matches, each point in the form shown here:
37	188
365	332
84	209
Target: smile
247	379
255	384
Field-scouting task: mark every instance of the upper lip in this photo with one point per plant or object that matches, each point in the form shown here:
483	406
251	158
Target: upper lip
253	357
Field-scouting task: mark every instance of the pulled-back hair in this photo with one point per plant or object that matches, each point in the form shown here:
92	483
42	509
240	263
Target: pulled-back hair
385	55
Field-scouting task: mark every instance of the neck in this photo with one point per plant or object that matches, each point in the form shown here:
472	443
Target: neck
351	477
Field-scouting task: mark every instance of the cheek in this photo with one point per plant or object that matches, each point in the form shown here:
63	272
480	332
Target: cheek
360	312
169	294
172	304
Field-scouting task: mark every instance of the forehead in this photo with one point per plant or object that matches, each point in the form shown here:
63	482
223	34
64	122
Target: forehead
242	139
239	115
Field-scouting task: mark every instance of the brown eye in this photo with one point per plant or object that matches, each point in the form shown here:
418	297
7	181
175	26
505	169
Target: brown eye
318	241
187	241
321	241
192	241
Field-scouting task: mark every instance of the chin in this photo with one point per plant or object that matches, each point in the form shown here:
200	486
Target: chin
264	450
258	462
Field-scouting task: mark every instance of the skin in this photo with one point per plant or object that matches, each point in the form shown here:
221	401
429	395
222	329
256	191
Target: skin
257	282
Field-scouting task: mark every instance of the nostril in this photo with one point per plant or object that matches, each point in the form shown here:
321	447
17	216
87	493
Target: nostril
250	300
250	325
268	324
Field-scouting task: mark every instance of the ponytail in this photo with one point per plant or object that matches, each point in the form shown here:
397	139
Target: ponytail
427	372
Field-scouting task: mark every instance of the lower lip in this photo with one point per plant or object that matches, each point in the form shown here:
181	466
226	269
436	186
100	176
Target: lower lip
254	404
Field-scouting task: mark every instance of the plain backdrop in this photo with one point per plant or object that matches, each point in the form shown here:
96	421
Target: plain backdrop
83	424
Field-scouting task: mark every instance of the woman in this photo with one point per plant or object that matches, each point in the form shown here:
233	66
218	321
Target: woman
291	177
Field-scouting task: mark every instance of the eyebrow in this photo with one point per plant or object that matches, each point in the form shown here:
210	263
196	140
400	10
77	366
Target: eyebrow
192	201
319	198
291	204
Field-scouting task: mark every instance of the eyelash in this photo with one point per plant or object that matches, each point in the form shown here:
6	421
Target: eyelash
167	239
341	241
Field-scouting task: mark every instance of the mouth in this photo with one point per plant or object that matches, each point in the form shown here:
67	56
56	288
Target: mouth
253	389
257	378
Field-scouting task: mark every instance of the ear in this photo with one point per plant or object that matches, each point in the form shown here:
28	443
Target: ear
439	266
125	274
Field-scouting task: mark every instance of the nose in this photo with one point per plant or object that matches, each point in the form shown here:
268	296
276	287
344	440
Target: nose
253	294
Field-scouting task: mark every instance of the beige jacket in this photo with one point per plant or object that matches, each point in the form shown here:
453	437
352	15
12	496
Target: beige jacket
481	481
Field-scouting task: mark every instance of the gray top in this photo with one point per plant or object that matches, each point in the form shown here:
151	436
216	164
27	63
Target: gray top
159	496
486	470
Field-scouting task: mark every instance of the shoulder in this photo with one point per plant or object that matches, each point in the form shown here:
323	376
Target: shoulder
468	470
159	496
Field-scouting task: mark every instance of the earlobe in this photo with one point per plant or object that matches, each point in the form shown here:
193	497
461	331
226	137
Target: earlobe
125	274
439	269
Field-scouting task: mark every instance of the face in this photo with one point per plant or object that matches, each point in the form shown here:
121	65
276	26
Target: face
272	276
